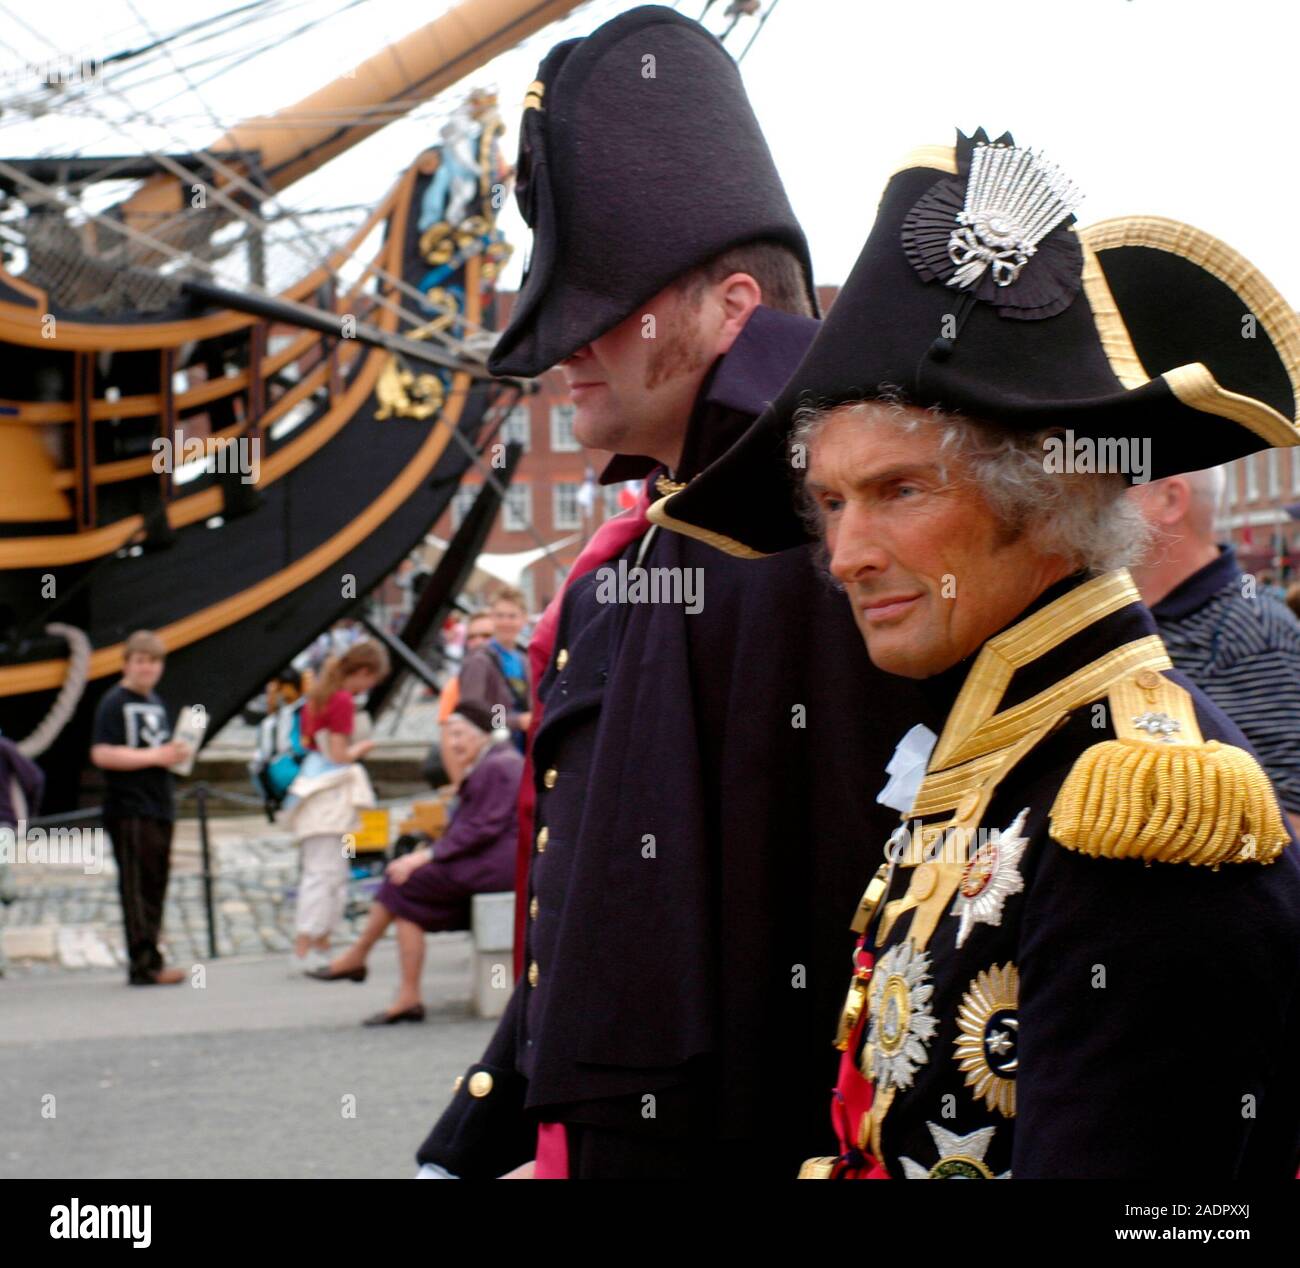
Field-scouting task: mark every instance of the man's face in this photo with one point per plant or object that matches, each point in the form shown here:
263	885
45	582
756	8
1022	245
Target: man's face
633	388
481	631
507	621
925	562
142	671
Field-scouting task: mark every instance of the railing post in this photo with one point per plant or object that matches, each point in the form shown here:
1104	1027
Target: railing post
201	797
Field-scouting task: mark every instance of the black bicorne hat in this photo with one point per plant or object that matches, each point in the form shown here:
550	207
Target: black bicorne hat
1138	328
640	158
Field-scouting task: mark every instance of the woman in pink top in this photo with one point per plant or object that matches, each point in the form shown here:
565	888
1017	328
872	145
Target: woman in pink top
327	792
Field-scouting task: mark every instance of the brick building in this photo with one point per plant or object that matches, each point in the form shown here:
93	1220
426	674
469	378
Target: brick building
1255	517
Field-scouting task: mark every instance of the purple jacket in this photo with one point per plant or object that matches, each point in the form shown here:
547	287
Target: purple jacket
30	777
478	848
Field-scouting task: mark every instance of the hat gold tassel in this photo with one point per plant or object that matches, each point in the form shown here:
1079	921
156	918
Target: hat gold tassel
1160	793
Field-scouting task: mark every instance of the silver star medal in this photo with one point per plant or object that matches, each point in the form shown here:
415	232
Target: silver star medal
960	1157
990	878
902	1023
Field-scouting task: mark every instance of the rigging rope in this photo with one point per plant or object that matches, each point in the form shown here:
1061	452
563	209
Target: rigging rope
74	685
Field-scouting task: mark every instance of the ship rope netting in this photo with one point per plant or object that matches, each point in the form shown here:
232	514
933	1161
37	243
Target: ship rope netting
168	89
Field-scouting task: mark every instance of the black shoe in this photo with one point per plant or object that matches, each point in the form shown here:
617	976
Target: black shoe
414	1013
327	974
159	977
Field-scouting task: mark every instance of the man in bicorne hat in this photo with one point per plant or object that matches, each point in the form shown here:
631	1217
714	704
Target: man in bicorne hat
698	760
1078	957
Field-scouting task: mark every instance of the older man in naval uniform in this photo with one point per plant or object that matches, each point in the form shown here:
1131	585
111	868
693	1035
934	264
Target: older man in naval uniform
1080	955
700	756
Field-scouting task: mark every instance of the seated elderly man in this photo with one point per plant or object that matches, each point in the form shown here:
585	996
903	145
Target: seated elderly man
1079	956
430	888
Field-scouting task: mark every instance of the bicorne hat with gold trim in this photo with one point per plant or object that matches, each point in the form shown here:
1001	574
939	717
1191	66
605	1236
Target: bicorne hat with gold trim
976	294
639	159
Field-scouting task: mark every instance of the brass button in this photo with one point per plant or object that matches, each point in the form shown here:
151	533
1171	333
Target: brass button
968	805
455	1087
533	973
562	659
480	1084
924	879
532	910
542	838
550	777
1148	680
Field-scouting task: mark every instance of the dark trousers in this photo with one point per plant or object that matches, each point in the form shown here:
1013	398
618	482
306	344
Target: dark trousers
142	848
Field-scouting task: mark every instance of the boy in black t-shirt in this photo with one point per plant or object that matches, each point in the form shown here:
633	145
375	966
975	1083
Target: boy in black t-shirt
131	744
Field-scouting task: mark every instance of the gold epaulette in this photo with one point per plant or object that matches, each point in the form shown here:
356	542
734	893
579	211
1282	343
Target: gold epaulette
1160	793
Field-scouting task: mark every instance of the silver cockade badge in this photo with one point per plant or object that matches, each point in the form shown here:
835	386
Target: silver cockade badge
1014	199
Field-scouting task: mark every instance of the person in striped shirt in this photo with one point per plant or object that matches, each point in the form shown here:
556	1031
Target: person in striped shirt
1222	628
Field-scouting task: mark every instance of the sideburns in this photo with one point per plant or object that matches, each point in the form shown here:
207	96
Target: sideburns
677	349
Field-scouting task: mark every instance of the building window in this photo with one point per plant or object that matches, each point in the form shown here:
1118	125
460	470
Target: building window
461	501
1295	469
517	509
518	427
1252	479
562	438
565	511
1273	461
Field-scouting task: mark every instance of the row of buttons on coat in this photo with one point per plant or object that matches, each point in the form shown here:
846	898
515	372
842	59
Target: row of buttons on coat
548	780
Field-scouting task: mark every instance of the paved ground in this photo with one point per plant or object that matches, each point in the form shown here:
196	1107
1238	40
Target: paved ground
250	1069
250	1074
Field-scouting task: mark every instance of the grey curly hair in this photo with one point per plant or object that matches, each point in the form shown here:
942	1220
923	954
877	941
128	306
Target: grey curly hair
1085	518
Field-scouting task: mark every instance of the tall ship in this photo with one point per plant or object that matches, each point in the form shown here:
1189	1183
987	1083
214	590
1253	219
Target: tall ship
224	422
226	415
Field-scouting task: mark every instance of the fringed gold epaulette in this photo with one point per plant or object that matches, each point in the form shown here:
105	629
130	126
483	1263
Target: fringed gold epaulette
1161	793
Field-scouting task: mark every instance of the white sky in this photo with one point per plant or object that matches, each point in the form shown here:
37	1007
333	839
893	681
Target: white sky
1182	108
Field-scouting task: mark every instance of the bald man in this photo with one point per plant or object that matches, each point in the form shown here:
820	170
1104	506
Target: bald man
1236	642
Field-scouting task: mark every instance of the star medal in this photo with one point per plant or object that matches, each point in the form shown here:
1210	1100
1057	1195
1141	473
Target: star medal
901	1021
960	1157
988	1035
990	878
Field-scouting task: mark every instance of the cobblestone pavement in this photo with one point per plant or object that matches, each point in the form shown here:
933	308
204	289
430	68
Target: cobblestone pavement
64	918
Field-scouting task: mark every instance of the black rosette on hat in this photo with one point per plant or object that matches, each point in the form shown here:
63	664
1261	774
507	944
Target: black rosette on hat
1037	338
640	159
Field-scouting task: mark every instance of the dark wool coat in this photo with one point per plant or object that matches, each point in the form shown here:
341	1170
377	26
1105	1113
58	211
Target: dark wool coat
705	818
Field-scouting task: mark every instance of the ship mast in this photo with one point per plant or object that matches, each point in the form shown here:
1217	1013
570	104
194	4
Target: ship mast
299	138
